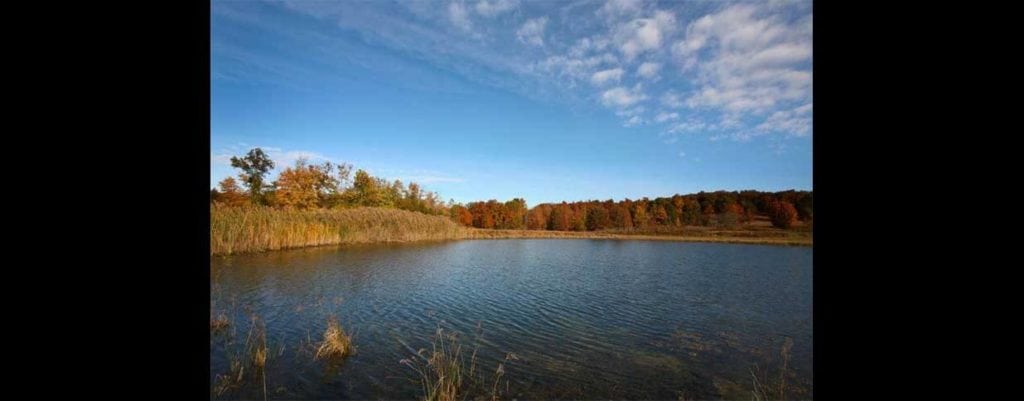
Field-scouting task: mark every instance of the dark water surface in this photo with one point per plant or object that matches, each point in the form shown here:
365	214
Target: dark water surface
588	319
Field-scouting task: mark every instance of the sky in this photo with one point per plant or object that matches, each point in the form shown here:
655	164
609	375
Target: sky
544	100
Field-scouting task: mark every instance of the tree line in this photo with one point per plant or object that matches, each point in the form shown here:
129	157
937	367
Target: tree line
312	186
721	208
327	185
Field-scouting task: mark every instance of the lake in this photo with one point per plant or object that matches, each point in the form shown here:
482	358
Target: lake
585	319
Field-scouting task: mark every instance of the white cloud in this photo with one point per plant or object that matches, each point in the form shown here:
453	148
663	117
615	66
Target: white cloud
569	69
747	60
496	7
690	125
532	31
602	77
648	69
672	100
662	117
459	16
682	154
618	8
644	34
796	122
622	97
633	121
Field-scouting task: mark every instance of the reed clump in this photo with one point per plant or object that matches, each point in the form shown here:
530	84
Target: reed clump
446	375
336	344
252	357
219	324
259	228
778	386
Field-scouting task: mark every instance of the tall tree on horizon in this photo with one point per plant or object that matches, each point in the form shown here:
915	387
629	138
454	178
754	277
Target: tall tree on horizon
254	165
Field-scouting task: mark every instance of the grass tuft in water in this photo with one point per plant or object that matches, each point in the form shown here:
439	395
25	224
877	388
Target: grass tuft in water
336	344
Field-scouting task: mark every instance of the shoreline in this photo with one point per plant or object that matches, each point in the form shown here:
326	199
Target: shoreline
730	239
485	235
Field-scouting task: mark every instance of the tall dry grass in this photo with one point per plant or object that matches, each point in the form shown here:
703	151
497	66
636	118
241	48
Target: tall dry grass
777	386
446	375
257	228
253	354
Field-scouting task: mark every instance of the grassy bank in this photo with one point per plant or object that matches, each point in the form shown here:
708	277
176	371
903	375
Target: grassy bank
257	229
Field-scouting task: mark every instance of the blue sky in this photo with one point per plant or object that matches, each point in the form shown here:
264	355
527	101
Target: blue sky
549	101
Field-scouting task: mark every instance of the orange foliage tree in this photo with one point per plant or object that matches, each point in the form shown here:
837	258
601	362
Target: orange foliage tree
230	193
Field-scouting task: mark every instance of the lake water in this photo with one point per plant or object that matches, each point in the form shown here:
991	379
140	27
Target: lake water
587	319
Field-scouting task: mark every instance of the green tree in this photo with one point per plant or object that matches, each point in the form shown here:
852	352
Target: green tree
254	165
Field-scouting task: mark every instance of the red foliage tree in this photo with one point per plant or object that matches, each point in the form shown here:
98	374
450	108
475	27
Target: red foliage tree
783	214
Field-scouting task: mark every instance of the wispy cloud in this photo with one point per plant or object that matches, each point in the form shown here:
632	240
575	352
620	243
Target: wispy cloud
459	15
622	96
648	69
735	70
644	34
532	31
663	117
605	76
749	61
491	8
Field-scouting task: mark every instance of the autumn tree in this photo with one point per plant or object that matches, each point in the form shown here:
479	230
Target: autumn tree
296	186
640	214
537	219
461	215
782	214
326	184
366	190
598	219
731	216
483	215
579	216
560	218
691	213
805	207
254	165
707	213
676	212
749	209
515	211
230	194
660	215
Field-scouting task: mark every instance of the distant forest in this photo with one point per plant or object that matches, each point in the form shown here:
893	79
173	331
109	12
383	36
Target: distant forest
328	185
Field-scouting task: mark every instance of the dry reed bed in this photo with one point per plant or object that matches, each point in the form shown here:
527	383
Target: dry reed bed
256	229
